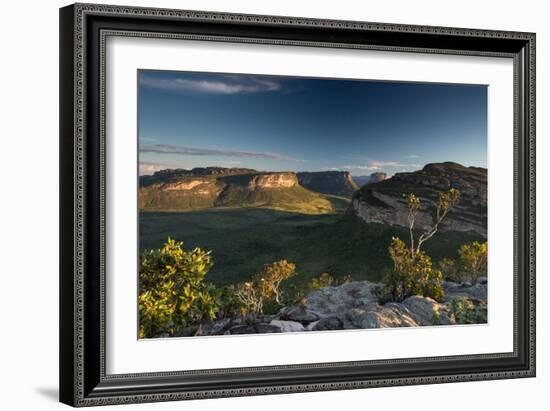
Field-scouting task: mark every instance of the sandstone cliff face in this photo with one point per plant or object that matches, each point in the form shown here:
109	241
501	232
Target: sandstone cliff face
272	180
328	182
383	202
197	186
180	193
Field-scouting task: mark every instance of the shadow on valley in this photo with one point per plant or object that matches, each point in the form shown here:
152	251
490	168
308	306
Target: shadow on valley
242	240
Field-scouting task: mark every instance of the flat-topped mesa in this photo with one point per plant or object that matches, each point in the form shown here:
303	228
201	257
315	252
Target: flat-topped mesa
328	182
377	177
384	202
272	180
215	187
172	175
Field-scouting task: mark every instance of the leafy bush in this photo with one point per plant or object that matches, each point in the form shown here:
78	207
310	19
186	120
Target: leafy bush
327	280
473	260
470	266
230	304
450	269
324	280
412	274
172	290
466	311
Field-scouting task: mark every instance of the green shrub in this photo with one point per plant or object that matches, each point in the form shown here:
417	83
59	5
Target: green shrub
473	261
450	269
467	311
412	274
230	305
172	291
324	280
327	280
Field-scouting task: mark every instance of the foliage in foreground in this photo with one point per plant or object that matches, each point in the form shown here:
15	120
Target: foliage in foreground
466	311
410	275
413	272
173	293
470	265
327	280
265	287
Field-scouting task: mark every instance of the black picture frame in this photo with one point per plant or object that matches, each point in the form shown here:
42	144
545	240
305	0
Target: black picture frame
83	29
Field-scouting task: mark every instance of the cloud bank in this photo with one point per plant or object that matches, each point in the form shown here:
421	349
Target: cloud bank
379	165
194	151
226	86
147	168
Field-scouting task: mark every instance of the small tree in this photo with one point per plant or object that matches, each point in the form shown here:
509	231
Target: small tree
413	273
265	287
447	200
270	278
410	275
250	298
473	260
172	290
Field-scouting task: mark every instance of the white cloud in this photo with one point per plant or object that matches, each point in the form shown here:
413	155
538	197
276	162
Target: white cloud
148	139
226	85
379	165
195	151
146	168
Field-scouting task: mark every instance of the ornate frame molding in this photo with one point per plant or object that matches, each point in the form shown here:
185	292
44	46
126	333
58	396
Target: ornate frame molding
83	42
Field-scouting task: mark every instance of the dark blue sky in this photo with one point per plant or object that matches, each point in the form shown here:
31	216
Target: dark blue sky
290	123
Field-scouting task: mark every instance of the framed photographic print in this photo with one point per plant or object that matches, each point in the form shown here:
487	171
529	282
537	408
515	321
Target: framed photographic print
262	204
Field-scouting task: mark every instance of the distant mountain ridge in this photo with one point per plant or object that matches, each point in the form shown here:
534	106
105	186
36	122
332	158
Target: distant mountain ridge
328	182
383	202
210	187
370	179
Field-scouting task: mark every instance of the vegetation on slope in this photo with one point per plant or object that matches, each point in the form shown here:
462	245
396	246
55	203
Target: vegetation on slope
243	239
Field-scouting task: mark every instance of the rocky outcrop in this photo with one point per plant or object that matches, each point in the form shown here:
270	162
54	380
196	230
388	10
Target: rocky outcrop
287	326
355	306
476	291
349	306
328	182
384	202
